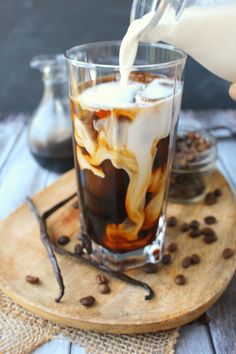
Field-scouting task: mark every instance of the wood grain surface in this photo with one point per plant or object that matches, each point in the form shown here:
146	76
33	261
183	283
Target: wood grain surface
124	310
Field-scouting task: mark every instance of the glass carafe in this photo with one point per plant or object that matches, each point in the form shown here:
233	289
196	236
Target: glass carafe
205	29
49	134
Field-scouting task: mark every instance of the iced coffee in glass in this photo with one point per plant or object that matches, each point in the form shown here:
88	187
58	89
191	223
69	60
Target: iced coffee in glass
123	142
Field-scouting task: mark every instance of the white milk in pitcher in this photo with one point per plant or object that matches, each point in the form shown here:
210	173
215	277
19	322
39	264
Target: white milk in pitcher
208	34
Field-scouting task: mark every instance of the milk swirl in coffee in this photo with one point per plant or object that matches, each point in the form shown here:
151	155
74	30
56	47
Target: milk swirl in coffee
121	136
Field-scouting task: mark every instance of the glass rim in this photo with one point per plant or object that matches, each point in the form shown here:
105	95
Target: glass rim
167	64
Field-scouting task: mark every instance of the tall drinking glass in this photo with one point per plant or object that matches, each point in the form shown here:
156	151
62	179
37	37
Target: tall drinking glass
123	144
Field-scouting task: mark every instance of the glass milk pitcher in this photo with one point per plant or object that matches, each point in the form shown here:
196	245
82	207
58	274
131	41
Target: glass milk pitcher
205	29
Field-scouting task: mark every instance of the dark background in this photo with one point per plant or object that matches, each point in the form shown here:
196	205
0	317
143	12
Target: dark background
32	27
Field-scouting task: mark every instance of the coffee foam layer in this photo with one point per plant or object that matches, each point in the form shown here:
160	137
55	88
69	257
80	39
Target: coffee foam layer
112	95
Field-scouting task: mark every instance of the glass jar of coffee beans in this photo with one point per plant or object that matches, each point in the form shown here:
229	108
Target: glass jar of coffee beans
193	163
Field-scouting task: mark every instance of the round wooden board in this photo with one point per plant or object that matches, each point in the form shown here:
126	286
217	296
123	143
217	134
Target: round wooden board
124	310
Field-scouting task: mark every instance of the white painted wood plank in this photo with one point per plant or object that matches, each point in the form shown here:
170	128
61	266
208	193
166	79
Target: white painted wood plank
229	178
212	118
55	346
21	176
223	324
10	131
227	157
194	339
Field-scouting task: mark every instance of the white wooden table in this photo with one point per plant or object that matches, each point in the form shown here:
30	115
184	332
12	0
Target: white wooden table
20	176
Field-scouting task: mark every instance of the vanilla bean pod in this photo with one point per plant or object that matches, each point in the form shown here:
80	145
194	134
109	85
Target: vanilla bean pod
57	206
123	277
48	246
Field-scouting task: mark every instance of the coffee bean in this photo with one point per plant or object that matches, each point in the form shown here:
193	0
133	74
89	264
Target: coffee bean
32	279
180	279
186	262
209	220
87	301
210	199
78	249
218	192
207	231
76	205
184	227
172	221
194	233
194	224
228	253
63	240
104	289
166	259
101	279
150	268
195	259
210	238
172	247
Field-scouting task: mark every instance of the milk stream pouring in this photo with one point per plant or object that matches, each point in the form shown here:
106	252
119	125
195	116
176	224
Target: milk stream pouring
205	29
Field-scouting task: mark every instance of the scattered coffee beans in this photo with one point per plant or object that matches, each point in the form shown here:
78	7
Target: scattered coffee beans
209	220
184	227
166	259
87	301
78	249
180	279
195	259
101	279
194	233
228	253
194	224
32	279
172	221
172	247
104	289
63	240
186	262
150	268
210	199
